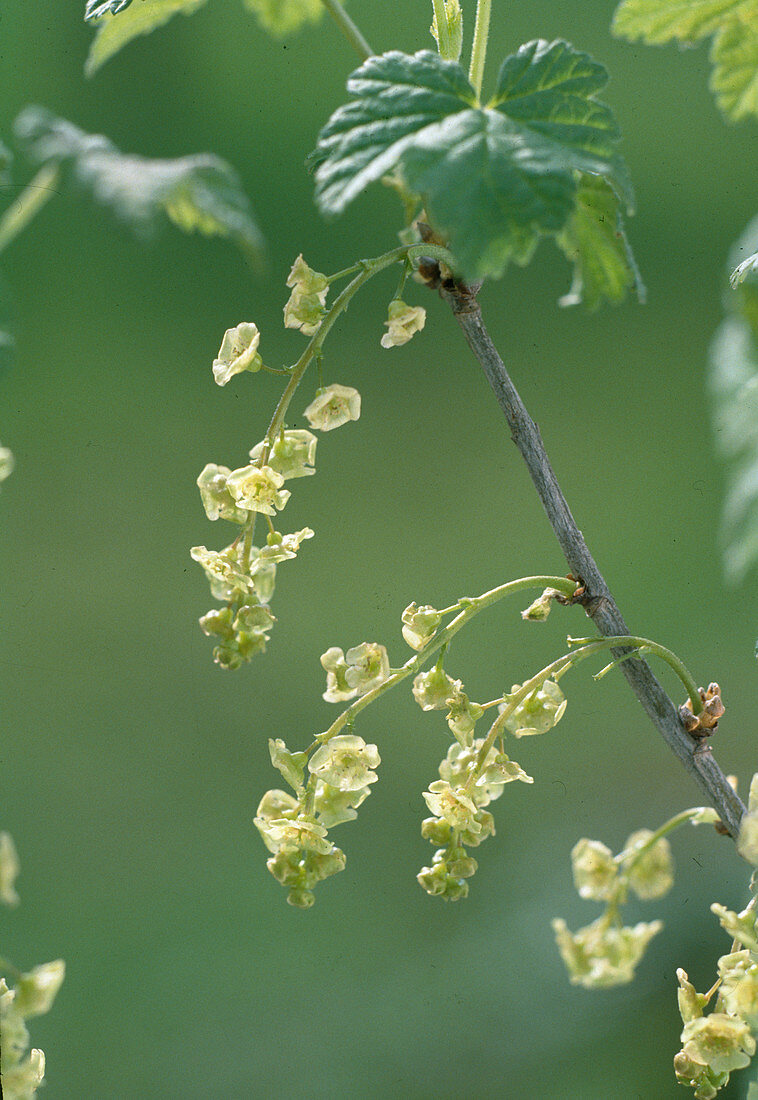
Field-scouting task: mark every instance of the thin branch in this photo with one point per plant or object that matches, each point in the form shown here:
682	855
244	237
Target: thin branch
697	757
349	29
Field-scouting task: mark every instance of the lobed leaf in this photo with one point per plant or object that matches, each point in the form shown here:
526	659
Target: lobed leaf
660	21
596	243
734	51
493	177
734	80
281	17
119	21
198	192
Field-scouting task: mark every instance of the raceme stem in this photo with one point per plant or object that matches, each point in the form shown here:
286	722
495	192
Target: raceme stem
479	48
348	28
26	205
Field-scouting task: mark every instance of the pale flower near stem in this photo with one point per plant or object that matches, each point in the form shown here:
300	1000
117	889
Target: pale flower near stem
238	352
332	407
403	322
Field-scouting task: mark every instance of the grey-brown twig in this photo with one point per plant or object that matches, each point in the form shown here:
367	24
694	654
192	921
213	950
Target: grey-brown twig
600	605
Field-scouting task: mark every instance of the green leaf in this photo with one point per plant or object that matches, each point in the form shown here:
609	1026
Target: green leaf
281	17
734	54
734	51
493	178
113	31
659	21
197	192
595	242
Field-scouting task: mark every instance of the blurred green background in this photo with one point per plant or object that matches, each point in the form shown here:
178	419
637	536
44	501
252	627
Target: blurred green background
131	767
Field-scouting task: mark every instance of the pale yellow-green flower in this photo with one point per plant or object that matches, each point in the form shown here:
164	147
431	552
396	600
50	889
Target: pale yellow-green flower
214	493
7	462
433	688
238	352
36	990
403	322
9	869
333	406
594	869
538	712
651	874
739	986
356	672
258	489
453	805
600	956
722	1043
307	303
419	624
292	453
333	806
345	763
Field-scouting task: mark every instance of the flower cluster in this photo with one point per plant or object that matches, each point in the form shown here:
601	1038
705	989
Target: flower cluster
471	775
294	828
724	1040
23	1070
606	953
242	575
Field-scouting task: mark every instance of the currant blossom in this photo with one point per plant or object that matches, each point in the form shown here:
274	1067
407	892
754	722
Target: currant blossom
651	875
307	303
403	322
258	489
594	869
419	624
214	493
538	712
292	453
600	956
333	406
238	352
433	688
9	869
345	763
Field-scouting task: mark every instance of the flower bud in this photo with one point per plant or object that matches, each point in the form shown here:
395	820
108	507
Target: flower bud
238	352
538	611
419	624
651	875
403	322
333	406
345	762
218	623
691	1003
594	870
436	831
292	453
432	689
